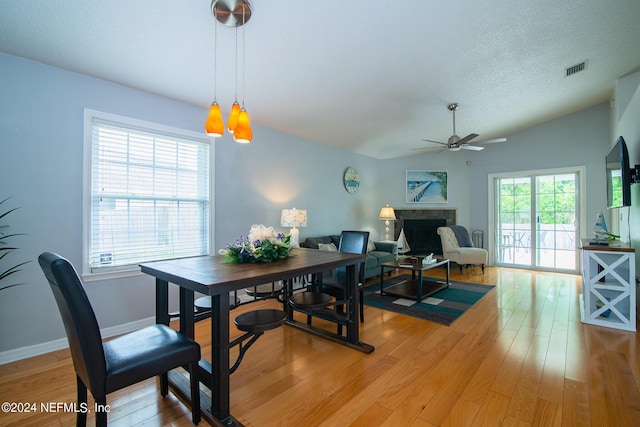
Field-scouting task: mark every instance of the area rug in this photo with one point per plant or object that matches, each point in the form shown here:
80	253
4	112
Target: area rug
443	307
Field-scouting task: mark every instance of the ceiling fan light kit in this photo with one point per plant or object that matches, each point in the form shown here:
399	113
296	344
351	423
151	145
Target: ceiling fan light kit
455	143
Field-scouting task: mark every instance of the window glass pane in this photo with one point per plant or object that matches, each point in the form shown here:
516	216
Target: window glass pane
149	196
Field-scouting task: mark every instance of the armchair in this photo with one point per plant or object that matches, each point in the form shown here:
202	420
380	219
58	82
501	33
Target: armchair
462	253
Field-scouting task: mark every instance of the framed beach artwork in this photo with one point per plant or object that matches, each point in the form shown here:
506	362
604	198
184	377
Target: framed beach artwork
426	186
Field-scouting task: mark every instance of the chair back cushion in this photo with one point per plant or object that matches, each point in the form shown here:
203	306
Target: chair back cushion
80	324
354	242
448	239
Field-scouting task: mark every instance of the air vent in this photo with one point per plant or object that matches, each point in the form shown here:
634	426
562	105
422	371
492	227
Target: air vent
575	68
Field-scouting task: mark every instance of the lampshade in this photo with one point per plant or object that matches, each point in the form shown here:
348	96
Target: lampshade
214	126
293	218
233	117
387	213
243	133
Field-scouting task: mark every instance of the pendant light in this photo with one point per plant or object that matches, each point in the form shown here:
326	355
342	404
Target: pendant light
243	133
214	126
232	13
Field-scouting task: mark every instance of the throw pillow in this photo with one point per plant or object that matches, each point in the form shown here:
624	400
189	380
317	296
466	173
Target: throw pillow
370	246
330	247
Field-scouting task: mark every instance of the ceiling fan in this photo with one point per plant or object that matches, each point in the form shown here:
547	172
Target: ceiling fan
455	143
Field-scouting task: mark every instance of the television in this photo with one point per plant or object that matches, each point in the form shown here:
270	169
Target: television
618	176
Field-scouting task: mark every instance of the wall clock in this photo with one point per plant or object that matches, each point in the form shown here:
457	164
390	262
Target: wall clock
351	180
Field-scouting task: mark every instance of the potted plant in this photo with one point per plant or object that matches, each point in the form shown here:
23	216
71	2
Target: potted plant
7	268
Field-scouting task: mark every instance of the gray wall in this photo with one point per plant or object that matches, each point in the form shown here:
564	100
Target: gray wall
626	122
41	131
580	139
41	127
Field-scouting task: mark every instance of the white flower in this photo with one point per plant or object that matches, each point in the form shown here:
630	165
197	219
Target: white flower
261	233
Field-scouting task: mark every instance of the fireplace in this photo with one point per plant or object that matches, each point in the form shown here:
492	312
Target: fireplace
422	235
420	228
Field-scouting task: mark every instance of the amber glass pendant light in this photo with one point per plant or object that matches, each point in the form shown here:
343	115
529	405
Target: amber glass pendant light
232	13
243	132
214	126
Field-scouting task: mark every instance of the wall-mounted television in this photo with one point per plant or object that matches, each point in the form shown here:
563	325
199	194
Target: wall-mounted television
618	176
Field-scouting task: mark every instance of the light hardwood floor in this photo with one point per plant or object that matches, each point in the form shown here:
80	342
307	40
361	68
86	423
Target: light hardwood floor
519	357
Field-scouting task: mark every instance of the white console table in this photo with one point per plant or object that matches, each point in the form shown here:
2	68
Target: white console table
608	285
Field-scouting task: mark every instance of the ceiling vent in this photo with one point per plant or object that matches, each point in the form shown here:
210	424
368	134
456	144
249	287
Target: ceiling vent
575	68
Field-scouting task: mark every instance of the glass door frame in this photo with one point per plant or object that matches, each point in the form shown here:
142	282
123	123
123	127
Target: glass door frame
581	208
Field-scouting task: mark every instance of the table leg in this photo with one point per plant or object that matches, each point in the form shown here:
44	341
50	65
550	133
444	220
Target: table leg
381	278
352	294
187	321
448	268
162	302
287	289
419	295
220	358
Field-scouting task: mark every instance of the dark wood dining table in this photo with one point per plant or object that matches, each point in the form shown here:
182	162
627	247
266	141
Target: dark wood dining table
211	275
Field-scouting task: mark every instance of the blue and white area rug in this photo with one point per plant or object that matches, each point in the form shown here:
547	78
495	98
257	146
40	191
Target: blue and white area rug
443	307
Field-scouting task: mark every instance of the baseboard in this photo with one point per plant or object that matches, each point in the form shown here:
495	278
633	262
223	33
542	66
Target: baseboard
47	347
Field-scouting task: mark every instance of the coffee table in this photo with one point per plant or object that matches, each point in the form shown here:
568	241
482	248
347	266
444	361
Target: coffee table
416	288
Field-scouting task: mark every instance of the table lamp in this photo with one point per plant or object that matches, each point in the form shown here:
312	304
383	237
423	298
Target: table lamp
294	218
387	214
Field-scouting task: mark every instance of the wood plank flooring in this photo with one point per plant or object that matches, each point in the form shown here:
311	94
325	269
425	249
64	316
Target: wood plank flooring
520	357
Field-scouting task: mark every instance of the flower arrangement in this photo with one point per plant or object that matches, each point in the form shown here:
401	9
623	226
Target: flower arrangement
262	244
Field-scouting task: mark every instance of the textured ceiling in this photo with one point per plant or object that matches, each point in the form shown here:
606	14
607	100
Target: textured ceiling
373	77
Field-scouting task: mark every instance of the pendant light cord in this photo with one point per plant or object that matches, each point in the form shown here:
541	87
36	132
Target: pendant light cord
215	55
236	89
243	38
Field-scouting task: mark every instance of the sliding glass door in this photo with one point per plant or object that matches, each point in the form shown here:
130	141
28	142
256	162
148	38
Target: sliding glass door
536	219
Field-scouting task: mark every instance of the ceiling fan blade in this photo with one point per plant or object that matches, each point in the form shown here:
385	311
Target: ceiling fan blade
493	141
467	138
429	149
435	142
471	147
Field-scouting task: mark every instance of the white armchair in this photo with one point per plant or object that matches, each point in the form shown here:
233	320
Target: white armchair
452	250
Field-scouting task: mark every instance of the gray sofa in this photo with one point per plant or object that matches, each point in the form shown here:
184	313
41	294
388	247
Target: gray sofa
383	252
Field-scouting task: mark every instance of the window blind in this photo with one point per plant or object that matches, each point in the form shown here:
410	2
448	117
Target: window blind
149	196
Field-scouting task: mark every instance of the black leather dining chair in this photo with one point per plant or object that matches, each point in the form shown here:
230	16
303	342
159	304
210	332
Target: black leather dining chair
104	367
353	242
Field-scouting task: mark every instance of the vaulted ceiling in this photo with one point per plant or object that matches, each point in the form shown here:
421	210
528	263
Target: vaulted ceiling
373	77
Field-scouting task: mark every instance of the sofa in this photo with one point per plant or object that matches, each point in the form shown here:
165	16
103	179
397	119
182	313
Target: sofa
377	253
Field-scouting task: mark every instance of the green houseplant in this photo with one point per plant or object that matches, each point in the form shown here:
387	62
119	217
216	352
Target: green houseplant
7	268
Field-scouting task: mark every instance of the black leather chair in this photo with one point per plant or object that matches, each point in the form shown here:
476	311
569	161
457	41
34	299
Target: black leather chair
353	242
104	367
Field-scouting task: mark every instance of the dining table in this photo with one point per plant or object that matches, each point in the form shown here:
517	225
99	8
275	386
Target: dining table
214	276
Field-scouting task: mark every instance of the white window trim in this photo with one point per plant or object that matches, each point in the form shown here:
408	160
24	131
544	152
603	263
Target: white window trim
89	115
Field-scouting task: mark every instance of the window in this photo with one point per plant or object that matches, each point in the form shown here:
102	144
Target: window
147	193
